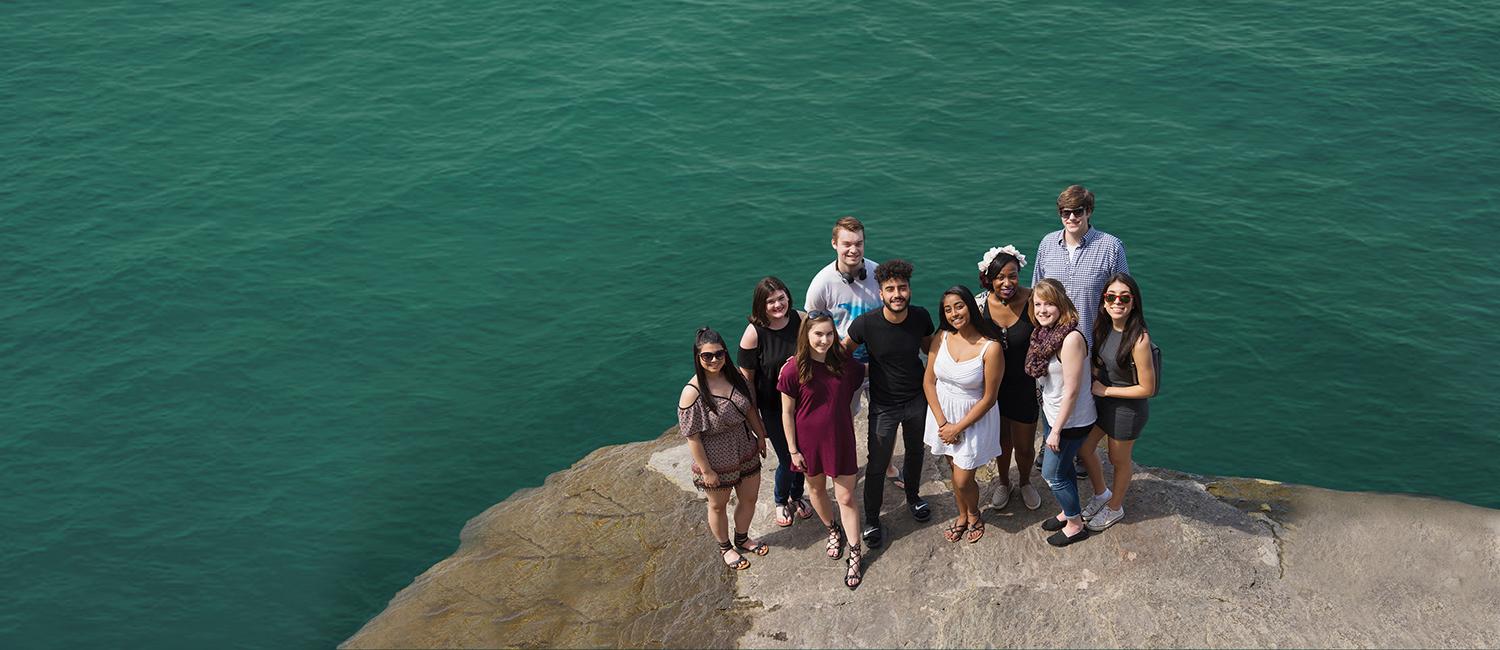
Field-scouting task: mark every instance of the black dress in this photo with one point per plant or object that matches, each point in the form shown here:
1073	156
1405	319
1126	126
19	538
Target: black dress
1017	394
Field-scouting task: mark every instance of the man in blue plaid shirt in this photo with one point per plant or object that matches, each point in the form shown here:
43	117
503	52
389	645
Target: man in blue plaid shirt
1079	256
1082	258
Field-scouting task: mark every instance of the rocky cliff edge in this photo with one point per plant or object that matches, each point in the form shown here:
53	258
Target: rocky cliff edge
615	551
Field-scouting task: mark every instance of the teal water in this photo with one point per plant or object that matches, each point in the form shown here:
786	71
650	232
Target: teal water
293	290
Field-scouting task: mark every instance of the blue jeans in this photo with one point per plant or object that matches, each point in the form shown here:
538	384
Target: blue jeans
789	484
1057	468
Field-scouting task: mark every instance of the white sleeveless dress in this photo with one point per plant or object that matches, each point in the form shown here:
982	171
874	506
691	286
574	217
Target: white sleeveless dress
960	385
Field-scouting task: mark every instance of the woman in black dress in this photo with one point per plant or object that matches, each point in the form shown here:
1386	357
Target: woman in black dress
769	340
1004	303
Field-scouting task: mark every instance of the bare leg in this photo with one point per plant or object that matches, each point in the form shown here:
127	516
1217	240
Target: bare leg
966	492
744	510
817	488
1119	456
718	522
1089	454
843	490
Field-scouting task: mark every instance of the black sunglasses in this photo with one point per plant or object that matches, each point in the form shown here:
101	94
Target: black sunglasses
708	357
819	313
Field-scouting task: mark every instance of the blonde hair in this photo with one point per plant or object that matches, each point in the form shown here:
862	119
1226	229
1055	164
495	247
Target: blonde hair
1050	290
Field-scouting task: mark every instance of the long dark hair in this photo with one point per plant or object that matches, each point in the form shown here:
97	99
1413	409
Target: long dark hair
707	336
764	289
986	327
1135	321
834	359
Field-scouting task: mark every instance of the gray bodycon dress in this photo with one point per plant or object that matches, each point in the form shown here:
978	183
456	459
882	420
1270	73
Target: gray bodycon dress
1120	418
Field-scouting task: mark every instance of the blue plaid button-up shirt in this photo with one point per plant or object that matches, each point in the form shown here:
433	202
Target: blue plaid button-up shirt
1099	256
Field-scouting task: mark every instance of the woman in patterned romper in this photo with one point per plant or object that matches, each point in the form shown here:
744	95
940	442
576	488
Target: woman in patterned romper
718	417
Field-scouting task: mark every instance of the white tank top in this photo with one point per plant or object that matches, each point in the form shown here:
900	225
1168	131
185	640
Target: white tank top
1052	393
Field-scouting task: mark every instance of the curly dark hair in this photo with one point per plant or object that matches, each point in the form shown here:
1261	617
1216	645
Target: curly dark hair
893	269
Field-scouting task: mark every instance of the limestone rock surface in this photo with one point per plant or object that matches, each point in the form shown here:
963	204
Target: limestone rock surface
615	551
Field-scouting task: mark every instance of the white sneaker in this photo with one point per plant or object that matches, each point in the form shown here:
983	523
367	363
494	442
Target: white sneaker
1029	495
1106	518
1000	497
1095	505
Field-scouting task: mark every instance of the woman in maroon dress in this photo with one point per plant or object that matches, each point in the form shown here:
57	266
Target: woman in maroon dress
717	415
817	385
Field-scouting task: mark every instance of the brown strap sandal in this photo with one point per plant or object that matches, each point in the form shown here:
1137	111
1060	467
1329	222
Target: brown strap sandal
725	548
744	544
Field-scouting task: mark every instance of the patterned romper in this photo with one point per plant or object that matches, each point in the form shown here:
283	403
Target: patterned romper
732	449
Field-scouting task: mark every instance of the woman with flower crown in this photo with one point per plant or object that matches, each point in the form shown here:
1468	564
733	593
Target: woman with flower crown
1003	302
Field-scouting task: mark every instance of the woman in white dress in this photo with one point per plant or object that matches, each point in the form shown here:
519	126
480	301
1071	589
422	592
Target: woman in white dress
964	369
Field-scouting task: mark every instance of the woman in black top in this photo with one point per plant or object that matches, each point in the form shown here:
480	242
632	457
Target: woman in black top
769	340
1004	303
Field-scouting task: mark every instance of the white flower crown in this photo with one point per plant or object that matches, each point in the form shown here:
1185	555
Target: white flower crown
989	256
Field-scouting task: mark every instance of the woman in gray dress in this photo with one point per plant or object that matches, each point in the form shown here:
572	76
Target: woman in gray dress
1125	377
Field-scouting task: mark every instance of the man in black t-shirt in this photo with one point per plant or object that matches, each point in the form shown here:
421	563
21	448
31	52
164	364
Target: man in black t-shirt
894	336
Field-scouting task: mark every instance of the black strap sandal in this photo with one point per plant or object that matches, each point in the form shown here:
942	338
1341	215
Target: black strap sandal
976	531
741	544
856	573
725	548
835	543
955	532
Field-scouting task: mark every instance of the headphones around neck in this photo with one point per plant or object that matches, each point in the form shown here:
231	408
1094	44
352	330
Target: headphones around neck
849	278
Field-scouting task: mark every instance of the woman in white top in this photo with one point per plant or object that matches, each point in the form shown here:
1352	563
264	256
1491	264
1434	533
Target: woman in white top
1058	358
964	369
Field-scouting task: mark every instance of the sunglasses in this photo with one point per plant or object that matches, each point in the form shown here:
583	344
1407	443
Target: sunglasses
709	357
819	313
1123	298
1067	213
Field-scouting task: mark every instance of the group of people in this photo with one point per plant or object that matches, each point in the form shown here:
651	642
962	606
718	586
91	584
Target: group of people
1073	348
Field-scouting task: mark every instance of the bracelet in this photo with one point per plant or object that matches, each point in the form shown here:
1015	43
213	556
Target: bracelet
794	451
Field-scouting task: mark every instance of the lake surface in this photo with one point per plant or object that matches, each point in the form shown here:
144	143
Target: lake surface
291	292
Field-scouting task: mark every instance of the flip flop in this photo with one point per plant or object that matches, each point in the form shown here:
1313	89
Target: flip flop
804	508
899	480
783	514
976	531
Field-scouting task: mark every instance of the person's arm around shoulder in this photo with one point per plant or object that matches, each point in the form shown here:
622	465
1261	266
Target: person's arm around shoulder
1074	358
695	441
1036	263
927	326
750	340
856	336
929	388
817	294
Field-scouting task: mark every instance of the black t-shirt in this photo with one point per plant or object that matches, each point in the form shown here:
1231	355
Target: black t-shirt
895	369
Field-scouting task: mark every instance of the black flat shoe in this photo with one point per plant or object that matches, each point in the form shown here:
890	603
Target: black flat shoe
1061	539
1053	524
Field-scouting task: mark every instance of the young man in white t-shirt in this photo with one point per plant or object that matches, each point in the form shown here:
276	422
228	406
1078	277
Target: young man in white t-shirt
846	287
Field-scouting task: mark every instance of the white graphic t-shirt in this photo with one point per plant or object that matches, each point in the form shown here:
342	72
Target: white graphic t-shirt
846	300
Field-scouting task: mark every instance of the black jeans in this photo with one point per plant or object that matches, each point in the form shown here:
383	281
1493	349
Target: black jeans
789	484
911	417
